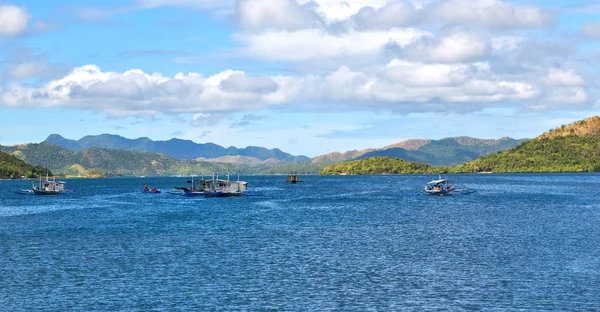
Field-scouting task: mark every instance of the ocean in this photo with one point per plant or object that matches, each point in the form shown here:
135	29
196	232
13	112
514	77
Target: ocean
516	242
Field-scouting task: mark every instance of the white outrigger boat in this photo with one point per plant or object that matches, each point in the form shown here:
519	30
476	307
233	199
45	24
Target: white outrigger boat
439	187
215	187
45	187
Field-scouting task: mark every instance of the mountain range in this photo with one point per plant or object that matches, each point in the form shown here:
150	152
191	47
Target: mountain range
176	148
115	155
444	152
449	151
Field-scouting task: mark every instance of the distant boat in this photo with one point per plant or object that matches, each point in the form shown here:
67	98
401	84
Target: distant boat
45	187
439	187
293	178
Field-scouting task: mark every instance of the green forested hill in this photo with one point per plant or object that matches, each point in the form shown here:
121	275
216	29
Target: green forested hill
569	153
571	148
377	165
559	154
14	168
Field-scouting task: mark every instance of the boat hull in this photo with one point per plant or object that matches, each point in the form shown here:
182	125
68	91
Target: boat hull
439	193
223	194
38	192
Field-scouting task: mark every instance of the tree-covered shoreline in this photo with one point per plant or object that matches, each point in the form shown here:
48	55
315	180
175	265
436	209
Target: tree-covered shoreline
13	168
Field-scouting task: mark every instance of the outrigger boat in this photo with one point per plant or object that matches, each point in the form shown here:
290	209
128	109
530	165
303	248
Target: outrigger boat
214	187
45	187
439	187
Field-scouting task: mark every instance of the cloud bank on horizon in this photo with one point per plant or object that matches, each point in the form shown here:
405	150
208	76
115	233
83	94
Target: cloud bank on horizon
392	57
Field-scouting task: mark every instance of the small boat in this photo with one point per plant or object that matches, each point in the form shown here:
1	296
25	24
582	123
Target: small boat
439	187
150	190
293	178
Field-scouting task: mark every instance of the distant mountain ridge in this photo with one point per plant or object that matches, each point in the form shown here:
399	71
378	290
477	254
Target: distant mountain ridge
176	148
444	152
111	162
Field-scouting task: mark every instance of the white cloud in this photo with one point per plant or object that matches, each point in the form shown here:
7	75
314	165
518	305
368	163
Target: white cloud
13	20
278	14
318	45
340	10
561	98
386	14
492	13
394	14
240	82
562	77
432	75
453	47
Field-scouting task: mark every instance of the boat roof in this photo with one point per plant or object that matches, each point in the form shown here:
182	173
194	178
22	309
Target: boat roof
439	181
56	182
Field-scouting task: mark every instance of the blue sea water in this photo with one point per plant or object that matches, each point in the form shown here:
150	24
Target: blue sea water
521	242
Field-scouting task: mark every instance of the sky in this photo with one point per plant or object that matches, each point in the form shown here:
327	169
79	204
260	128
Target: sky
307	77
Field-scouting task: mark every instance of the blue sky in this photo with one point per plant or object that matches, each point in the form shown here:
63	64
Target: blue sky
308	77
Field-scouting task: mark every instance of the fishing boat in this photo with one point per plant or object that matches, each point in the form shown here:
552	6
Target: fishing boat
226	188
45	187
293	177
439	187
213	187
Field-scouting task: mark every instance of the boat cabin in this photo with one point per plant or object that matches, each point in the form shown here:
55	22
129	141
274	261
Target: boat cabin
439	187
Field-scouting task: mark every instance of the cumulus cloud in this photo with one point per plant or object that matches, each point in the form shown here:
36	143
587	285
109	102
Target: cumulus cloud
399	86
378	14
492	13
394	14
318	46
13	20
239	82
279	14
562	77
451	47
